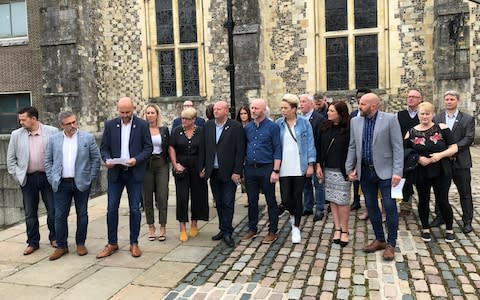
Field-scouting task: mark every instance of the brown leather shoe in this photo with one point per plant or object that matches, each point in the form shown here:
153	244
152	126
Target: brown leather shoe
248	236
389	253
269	238
108	250
29	250
82	250
59	252
375	246
136	252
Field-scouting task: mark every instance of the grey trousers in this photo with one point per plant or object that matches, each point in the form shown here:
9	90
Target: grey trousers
155	185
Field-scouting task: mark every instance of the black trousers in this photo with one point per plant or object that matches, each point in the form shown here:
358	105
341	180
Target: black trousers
462	179
194	187
441	185
291	191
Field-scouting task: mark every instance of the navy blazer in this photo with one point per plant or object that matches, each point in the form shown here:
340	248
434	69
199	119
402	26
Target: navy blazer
140	146
463	133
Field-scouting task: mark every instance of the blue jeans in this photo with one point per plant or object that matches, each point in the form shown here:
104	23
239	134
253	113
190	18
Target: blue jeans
371	184
37	183
114	192
63	201
310	183
256	178
224	194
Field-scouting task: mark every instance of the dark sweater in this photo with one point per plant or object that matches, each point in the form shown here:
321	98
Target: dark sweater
406	122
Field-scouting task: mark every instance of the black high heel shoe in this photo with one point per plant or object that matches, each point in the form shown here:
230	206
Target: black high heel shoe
337	241
343	243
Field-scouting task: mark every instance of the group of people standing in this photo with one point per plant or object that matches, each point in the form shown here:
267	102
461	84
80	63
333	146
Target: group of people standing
313	149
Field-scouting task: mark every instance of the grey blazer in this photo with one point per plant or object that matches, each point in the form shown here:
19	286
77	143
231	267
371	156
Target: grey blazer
87	162
387	146
18	151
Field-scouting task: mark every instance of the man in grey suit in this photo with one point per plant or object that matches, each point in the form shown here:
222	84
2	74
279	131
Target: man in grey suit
462	126
375	156
25	162
72	161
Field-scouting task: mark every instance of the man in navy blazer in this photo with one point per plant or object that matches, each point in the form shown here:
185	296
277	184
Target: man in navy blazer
72	161
375	157
462	126
224	156
127	138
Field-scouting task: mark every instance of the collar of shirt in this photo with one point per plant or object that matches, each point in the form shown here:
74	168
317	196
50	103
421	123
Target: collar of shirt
454	116
374	117
309	114
37	132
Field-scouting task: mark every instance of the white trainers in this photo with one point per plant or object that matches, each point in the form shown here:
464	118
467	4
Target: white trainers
292	220
296	236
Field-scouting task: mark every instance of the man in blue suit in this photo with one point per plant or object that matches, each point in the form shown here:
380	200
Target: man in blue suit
126	138
72	161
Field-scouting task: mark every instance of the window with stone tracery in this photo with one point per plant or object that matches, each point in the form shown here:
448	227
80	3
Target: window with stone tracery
177	57
351	33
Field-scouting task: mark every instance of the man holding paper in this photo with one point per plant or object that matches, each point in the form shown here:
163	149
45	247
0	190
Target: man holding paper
375	156
127	140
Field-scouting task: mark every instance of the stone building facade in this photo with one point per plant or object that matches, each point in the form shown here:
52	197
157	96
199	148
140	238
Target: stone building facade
84	55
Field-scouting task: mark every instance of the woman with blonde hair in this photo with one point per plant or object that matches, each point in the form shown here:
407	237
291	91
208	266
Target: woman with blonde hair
298	153
156	176
186	145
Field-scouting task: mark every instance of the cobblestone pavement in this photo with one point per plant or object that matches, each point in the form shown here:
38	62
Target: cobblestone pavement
317	268
203	269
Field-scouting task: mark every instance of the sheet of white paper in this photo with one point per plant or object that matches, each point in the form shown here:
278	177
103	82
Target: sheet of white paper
118	161
397	190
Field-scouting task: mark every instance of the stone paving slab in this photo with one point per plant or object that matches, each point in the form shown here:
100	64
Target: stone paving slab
205	269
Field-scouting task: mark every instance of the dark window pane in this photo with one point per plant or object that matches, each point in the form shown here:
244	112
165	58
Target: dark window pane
190	72
168	86
9	106
366	61
365	14
337	64
164	21
335	15
188	21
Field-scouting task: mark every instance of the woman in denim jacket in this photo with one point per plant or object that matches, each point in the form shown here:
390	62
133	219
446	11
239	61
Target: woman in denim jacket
298	159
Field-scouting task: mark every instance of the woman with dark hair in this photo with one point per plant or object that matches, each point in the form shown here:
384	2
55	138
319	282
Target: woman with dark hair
243	115
156	176
209	112
332	145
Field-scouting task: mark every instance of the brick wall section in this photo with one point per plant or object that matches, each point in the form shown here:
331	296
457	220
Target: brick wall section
414	52
216	44
475	56
20	64
118	42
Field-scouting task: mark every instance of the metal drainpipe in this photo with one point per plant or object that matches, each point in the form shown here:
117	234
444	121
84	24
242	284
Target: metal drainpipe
231	66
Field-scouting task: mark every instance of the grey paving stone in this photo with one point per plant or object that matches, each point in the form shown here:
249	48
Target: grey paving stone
172	295
342	294
294	293
359	290
189	292
330	275
246	296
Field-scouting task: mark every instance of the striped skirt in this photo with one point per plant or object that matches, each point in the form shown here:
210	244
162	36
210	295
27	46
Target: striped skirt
337	189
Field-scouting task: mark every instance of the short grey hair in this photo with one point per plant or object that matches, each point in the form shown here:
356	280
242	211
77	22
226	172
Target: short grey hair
64	114
452	93
308	96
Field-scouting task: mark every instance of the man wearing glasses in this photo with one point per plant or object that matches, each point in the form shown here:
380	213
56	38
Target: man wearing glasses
72	161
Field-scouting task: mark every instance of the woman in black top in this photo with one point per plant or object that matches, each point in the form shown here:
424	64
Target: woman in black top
332	148
186	142
434	144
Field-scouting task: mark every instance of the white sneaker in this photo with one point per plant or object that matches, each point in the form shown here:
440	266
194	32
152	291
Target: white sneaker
296	236
292	220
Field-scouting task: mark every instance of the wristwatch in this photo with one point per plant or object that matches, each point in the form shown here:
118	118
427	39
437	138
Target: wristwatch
276	171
